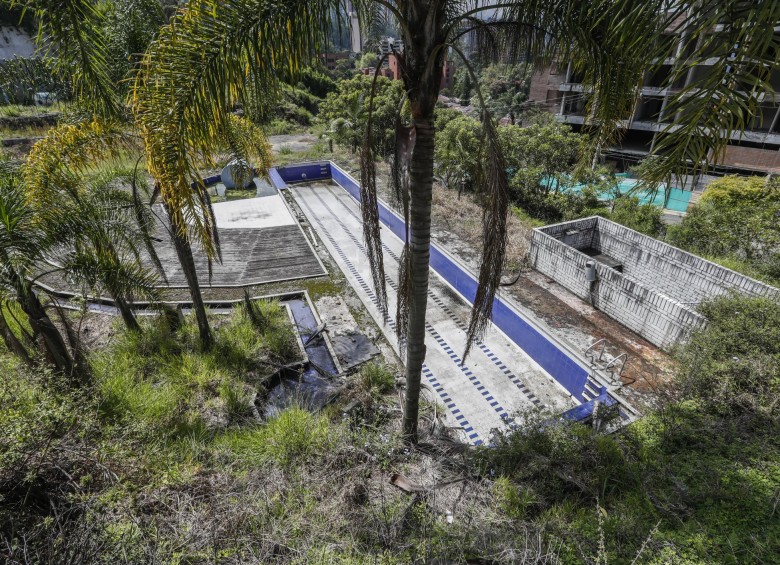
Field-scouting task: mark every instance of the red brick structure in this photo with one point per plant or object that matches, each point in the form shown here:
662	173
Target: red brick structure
330	59
447	74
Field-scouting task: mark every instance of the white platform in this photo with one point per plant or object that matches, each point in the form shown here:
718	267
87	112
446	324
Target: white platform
253	213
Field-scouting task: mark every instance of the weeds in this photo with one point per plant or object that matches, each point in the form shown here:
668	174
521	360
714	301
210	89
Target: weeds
166	461
376	379
294	436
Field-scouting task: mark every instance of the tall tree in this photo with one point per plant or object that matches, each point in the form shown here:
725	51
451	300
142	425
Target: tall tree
22	246
201	65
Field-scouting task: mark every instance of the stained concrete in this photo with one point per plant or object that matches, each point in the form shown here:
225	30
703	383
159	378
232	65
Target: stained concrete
658	287
493	385
253	213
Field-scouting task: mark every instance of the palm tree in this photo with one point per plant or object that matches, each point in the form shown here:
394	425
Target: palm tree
75	32
97	228
100	244
178	181
22	245
215	51
346	130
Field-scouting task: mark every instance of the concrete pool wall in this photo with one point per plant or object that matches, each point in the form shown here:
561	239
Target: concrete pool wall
557	360
656	293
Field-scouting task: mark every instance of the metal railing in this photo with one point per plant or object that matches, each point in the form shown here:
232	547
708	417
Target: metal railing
593	346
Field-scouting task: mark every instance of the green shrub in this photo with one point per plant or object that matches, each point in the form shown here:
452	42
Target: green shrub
279	127
735	222
561	460
733	365
292	437
514	501
628	211
376	379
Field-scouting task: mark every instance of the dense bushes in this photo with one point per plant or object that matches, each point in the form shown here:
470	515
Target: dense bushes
121	469
345	112
542	167
735	223
733	367
697	481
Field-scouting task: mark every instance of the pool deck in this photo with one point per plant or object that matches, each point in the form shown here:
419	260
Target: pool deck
496	382
261	242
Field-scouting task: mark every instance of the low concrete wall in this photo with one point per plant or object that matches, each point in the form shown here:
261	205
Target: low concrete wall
677	273
656	294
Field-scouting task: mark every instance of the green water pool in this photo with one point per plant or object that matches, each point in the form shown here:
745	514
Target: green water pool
676	200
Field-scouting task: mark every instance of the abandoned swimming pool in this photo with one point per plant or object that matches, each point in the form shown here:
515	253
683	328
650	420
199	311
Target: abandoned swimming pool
570	373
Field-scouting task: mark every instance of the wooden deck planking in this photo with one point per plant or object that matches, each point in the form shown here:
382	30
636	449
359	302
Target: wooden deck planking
249	257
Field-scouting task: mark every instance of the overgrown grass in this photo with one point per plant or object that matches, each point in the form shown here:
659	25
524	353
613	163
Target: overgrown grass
234	194
294	436
281	127
19	110
23	132
163	460
160	380
376	379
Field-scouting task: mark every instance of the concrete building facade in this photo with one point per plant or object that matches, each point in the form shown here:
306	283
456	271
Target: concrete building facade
559	90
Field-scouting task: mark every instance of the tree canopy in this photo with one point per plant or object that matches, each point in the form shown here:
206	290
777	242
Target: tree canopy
735	222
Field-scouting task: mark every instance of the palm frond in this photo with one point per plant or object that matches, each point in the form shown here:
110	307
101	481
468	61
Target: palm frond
21	238
72	30
200	67
399	183
736	43
608	48
369	206
494	233
58	162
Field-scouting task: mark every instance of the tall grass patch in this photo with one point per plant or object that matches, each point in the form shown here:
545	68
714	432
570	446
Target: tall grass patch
293	436
160	381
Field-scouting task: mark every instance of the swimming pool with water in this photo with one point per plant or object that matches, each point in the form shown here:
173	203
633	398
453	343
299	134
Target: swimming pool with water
676	199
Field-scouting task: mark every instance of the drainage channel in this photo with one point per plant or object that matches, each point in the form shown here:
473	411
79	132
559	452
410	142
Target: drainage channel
311	386
309	383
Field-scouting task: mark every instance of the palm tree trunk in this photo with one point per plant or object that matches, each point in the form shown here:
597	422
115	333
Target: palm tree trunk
12	342
187	261
421	188
127	314
53	344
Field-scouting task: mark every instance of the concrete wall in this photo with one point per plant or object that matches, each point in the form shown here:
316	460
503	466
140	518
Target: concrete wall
15	43
651	296
683	276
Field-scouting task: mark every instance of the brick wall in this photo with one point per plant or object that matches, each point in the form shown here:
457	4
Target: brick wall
651	296
578	233
542	83
767	160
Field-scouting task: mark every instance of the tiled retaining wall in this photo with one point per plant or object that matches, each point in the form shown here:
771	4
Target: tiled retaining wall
659	288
